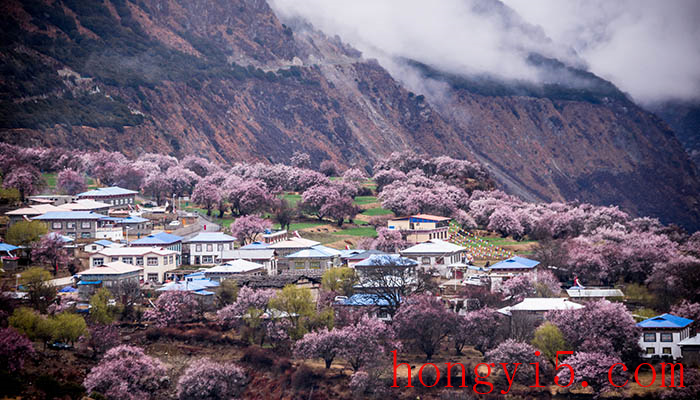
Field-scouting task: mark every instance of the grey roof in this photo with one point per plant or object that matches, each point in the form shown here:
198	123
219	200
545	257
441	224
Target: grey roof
210	237
318	251
69	215
107	191
275	282
246	254
593	292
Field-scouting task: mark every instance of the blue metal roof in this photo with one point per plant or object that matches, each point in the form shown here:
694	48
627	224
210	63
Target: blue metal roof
107	191
665	321
132	220
379	260
69	215
7	247
318	251
255	245
68	289
365	299
516	262
104	242
188	286
89	282
158	239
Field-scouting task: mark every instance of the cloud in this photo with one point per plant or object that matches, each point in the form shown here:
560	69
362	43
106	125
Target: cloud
649	49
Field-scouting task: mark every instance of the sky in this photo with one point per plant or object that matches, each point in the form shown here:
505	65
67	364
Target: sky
649	49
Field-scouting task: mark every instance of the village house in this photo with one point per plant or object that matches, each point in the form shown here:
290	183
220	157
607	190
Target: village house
263	256
287	247
421	227
107	275
98	245
593	293
235	267
315	260
506	269
526	316
435	253
662	335
155	261
207	248
690	350
196	283
53	199
371	304
80	225
135	226
271	237
164	240
115	196
389	271
351	257
27	213
86	205
278	282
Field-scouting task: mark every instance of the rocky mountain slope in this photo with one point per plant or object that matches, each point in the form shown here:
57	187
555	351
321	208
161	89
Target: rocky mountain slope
227	79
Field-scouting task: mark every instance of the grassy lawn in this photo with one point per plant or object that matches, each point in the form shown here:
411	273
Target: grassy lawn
360	200
358	231
376	211
498	241
292	199
295	226
50	179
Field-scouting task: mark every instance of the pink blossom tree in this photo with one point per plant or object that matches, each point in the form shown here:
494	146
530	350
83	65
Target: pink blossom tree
248	196
532	284
102	338
475	328
163	161
322	344
506	223
339	208
70	182
688	310
210	380
354	176
101	165
389	240
366	342
386	177
157	186
678	278
206	194
173	307
126	372
315	198
423	322
300	160
593	367
328	168
128	175
600	325
181	180
15	348
249	227
198	165
25	178
247	298
49	250
511	352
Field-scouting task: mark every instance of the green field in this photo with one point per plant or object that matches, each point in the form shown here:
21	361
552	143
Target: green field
295	226
361	200
292	199
359	231
50	179
376	211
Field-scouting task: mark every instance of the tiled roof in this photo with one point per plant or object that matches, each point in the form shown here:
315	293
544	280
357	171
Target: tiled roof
266	281
210	237
430	217
516	262
36	209
577	291
107	191
665	321
84	205
69	215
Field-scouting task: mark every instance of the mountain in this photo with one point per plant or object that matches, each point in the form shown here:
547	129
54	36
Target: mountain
228	80
684	118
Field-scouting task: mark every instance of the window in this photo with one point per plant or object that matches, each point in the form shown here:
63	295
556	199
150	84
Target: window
210	247
219	247
425	260
650	337
70	225
85	235
71	234
207	260
198	248
114	259
316	265
86	224
298	265
56	225
139	260
650	350
666	350
152	261
153	277
230	246
128	260
96	262
170	259
667	337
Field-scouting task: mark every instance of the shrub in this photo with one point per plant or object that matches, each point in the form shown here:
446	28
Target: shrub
258	357
303	377
206	379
